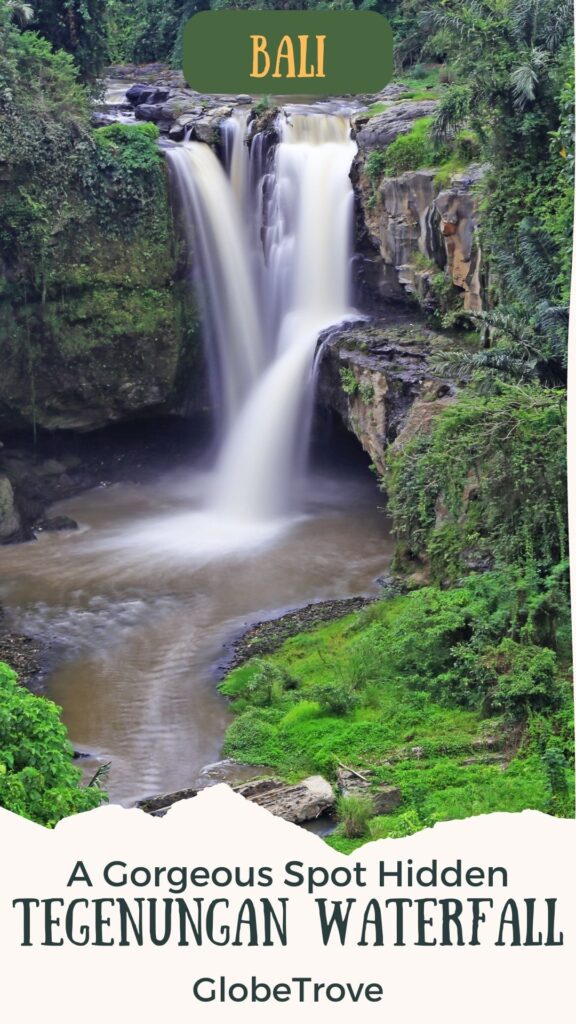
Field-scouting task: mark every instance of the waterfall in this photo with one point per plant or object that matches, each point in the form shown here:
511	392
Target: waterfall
275	250
216	234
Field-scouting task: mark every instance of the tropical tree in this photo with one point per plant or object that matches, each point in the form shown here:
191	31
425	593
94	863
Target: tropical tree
78	26
20	13
526	335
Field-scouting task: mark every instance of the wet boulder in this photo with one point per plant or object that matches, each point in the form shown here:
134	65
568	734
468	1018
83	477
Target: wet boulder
304	801
55	524
138	94
9	515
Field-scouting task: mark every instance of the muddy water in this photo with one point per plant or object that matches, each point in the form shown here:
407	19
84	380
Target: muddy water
139	604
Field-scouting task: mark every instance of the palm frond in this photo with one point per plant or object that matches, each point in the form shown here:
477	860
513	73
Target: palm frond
559	25
526	77
21	13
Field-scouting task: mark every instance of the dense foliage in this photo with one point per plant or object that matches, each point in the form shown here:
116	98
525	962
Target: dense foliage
435	692
486	485
56	168
86	238
37	776
78	26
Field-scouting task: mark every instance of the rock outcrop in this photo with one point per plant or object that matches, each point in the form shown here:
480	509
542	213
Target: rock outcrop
384	799
10	524
380	130
371	374
180	112
415	234
301	802
112	336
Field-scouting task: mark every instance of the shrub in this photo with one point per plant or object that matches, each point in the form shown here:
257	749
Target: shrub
413	150
268	684
375	165
335	698
37	776
349	382
253	737
354	813
507	677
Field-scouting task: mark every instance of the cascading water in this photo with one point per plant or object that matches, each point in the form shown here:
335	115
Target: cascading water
213	224
287	246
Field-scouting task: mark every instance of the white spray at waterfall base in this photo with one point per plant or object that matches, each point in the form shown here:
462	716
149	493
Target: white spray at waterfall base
276	272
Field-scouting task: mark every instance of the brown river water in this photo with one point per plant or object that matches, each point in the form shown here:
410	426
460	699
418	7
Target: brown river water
138	607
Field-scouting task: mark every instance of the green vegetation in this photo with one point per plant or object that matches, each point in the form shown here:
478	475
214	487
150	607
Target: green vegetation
459	692
78	26
37	776
354	813
86	236
503	72
411	151
349	382
487	482
420	148
452	695
421	82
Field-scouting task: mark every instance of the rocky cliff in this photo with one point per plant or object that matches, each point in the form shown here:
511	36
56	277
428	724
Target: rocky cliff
375	376
107	336
416	232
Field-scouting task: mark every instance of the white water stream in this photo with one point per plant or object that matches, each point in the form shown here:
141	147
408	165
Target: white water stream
275	248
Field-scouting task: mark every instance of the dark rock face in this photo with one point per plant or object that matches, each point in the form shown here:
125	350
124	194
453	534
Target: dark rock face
138	94
372	373
61	464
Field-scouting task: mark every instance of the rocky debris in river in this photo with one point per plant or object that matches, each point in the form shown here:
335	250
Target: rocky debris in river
138	94
159	805
22	653
181	112
54	524
297	803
